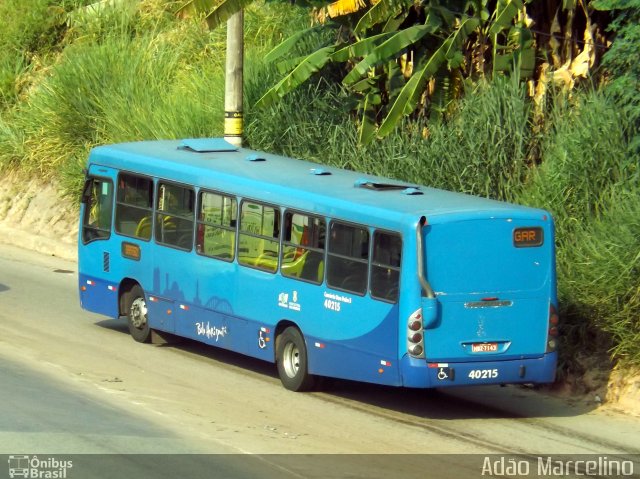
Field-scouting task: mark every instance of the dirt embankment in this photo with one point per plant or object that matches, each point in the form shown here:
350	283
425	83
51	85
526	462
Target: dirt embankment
33	216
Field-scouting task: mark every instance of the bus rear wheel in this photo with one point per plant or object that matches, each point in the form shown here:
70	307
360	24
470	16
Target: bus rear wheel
291	359
137	316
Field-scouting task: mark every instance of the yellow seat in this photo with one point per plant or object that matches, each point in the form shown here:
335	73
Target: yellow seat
143	230
292	266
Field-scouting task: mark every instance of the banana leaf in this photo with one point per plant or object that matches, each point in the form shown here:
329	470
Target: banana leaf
505	16
364	85
310	65
388	49
408	98
380	12
395	79
393	23
197	6
285	66
224	11
367	130
287	45
359	49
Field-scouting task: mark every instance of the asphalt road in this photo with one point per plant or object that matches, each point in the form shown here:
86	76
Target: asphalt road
74	386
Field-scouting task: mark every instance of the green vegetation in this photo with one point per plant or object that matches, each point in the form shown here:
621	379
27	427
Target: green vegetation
125	73
589	181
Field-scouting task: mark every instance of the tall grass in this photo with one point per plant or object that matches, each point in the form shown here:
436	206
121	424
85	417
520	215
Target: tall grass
589	181
30	36
482	149
124	75
120	90
603	272
584	151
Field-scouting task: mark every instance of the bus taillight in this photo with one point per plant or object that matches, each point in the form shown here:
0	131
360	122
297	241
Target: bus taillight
554	320
415	337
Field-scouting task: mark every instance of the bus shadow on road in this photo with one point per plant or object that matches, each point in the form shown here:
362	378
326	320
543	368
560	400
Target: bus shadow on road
204	352
468	402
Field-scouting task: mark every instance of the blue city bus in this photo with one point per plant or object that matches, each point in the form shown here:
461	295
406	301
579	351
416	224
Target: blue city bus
323	271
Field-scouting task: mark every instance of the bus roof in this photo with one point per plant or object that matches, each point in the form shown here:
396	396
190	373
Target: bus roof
215	164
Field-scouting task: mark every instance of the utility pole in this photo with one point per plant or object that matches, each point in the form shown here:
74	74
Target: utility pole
233	121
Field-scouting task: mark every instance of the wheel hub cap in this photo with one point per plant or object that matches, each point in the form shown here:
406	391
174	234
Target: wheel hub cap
139	313
291	360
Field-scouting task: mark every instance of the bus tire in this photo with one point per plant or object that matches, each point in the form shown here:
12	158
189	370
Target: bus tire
137	315
291	359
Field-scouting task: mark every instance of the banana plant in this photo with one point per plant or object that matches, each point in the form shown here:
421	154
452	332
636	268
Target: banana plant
408	98
404	43
388	33
517	54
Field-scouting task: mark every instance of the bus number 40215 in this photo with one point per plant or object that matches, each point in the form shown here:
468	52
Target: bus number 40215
483	374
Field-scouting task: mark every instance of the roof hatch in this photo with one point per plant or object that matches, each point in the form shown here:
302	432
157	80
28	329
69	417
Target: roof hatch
319	172
207	145
376	186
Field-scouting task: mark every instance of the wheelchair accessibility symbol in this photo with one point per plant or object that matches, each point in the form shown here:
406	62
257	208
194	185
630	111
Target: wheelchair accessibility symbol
263	337
442	374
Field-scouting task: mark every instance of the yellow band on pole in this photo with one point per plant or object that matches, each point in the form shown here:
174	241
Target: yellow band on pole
233	123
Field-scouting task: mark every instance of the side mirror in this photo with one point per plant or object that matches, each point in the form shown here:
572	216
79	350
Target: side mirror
86	191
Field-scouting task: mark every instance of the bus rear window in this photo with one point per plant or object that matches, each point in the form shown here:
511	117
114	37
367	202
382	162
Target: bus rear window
347	261
385	266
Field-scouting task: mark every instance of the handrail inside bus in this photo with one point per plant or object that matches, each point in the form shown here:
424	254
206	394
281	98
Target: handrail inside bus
426	287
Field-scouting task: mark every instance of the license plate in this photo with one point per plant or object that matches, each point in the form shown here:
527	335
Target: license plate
484	348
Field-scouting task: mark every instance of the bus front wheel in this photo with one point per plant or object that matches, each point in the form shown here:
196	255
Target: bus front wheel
291	358
137	316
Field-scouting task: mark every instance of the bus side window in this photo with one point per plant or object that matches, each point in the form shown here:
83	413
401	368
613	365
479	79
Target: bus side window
303	247
258	241
385	266
134	206
348	258
98	210
175	216
217	218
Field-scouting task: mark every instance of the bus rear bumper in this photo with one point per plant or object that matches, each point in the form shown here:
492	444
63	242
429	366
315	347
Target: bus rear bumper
418	373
